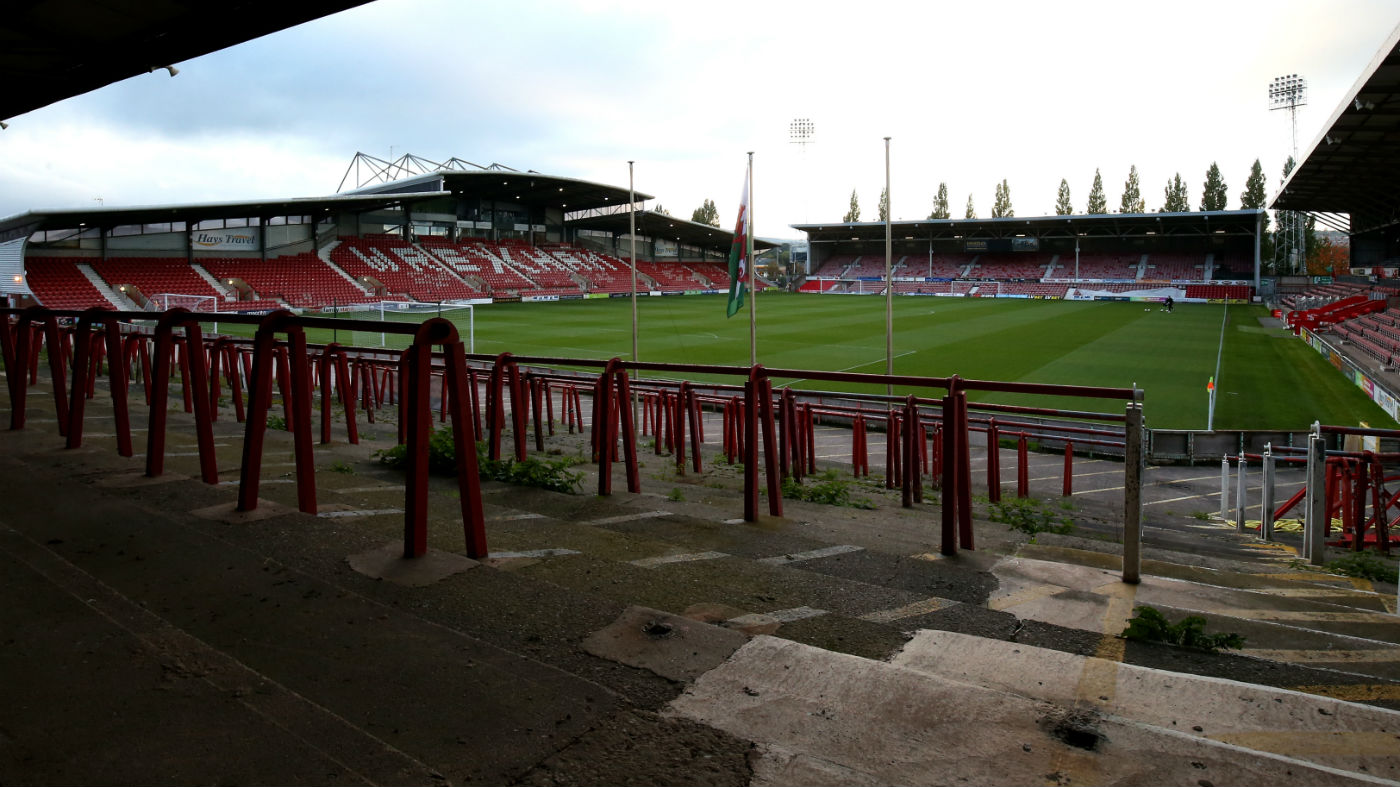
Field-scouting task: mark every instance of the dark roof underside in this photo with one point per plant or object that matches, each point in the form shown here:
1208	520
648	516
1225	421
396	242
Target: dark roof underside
663	227
1353	167
1108	225
54	49
530	189
34	221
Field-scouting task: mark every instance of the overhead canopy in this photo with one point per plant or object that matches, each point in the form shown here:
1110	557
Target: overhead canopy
1107	225
529	189
54	49
662	226
26	224
1353	166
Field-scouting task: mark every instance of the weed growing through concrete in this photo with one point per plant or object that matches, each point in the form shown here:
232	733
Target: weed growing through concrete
1150	625
675	495
1366	565
342	467
1028	516
552	474
277	422
828	488
1204	516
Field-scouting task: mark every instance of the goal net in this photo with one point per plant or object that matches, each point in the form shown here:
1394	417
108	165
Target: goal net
195	303
463	315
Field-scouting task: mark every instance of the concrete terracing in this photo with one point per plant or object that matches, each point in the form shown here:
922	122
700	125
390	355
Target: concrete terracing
151	636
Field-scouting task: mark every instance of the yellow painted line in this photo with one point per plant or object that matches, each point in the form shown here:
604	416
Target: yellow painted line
908	610
1356	692
1295	616
1121	597
1271	545
1314	576
1294	743
1098	681
1375	656
1024	595
1297	592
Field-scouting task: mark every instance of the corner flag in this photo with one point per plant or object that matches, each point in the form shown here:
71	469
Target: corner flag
738	254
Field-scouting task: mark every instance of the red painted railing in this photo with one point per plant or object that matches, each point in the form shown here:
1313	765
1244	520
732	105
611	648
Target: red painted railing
927	431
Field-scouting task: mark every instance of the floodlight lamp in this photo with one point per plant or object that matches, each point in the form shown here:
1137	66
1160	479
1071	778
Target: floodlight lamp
18	278
172	69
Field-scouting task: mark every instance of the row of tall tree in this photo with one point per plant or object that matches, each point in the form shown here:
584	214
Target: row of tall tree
1214	196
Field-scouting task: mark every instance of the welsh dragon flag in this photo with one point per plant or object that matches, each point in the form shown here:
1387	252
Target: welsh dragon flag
739	254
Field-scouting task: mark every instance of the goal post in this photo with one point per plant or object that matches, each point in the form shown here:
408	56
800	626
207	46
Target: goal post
463	315
203	304
195	303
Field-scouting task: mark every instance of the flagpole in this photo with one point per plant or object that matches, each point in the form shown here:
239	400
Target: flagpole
632	230
889	278
753	292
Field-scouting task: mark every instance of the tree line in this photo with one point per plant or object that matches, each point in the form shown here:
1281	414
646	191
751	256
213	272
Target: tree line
1175	199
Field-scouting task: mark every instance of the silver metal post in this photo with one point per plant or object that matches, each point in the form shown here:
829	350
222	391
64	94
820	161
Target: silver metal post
1266	496
632	229
889	275
1240	502
1133	465
1225	487
1314	528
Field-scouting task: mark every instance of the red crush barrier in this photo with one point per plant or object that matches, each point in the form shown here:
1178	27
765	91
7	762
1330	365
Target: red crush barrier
84	372
1023	483
993	461
260	401
784	424
441	332
194	378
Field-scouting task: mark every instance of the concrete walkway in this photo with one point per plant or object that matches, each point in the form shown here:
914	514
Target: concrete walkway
154	636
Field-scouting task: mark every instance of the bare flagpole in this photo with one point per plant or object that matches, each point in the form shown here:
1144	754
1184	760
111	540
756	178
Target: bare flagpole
753	293
632	230
889	277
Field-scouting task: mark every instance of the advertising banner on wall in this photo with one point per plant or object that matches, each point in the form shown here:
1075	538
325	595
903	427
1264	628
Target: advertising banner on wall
232	239
1373	388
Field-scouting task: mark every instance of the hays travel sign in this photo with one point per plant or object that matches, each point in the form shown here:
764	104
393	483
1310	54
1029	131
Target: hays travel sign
234	239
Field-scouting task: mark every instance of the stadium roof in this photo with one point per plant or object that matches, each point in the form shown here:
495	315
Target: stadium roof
663	226
54	49
1106	225
525	188
1354	164
28	223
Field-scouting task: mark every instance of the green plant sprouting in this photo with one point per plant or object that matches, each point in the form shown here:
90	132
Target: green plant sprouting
1150	625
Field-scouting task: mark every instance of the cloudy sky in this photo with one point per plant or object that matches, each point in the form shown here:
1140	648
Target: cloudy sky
971	93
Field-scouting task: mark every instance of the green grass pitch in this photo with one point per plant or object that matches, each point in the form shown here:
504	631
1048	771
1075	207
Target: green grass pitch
1268	378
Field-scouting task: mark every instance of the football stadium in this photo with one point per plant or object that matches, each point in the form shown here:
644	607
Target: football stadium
469	473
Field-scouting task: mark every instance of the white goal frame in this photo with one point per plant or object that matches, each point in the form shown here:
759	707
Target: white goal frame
384	308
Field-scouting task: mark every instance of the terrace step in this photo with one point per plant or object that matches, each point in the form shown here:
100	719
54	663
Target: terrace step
828	718
118	300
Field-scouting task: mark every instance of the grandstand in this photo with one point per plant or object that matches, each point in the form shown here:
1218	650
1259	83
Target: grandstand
1188	256
393	240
